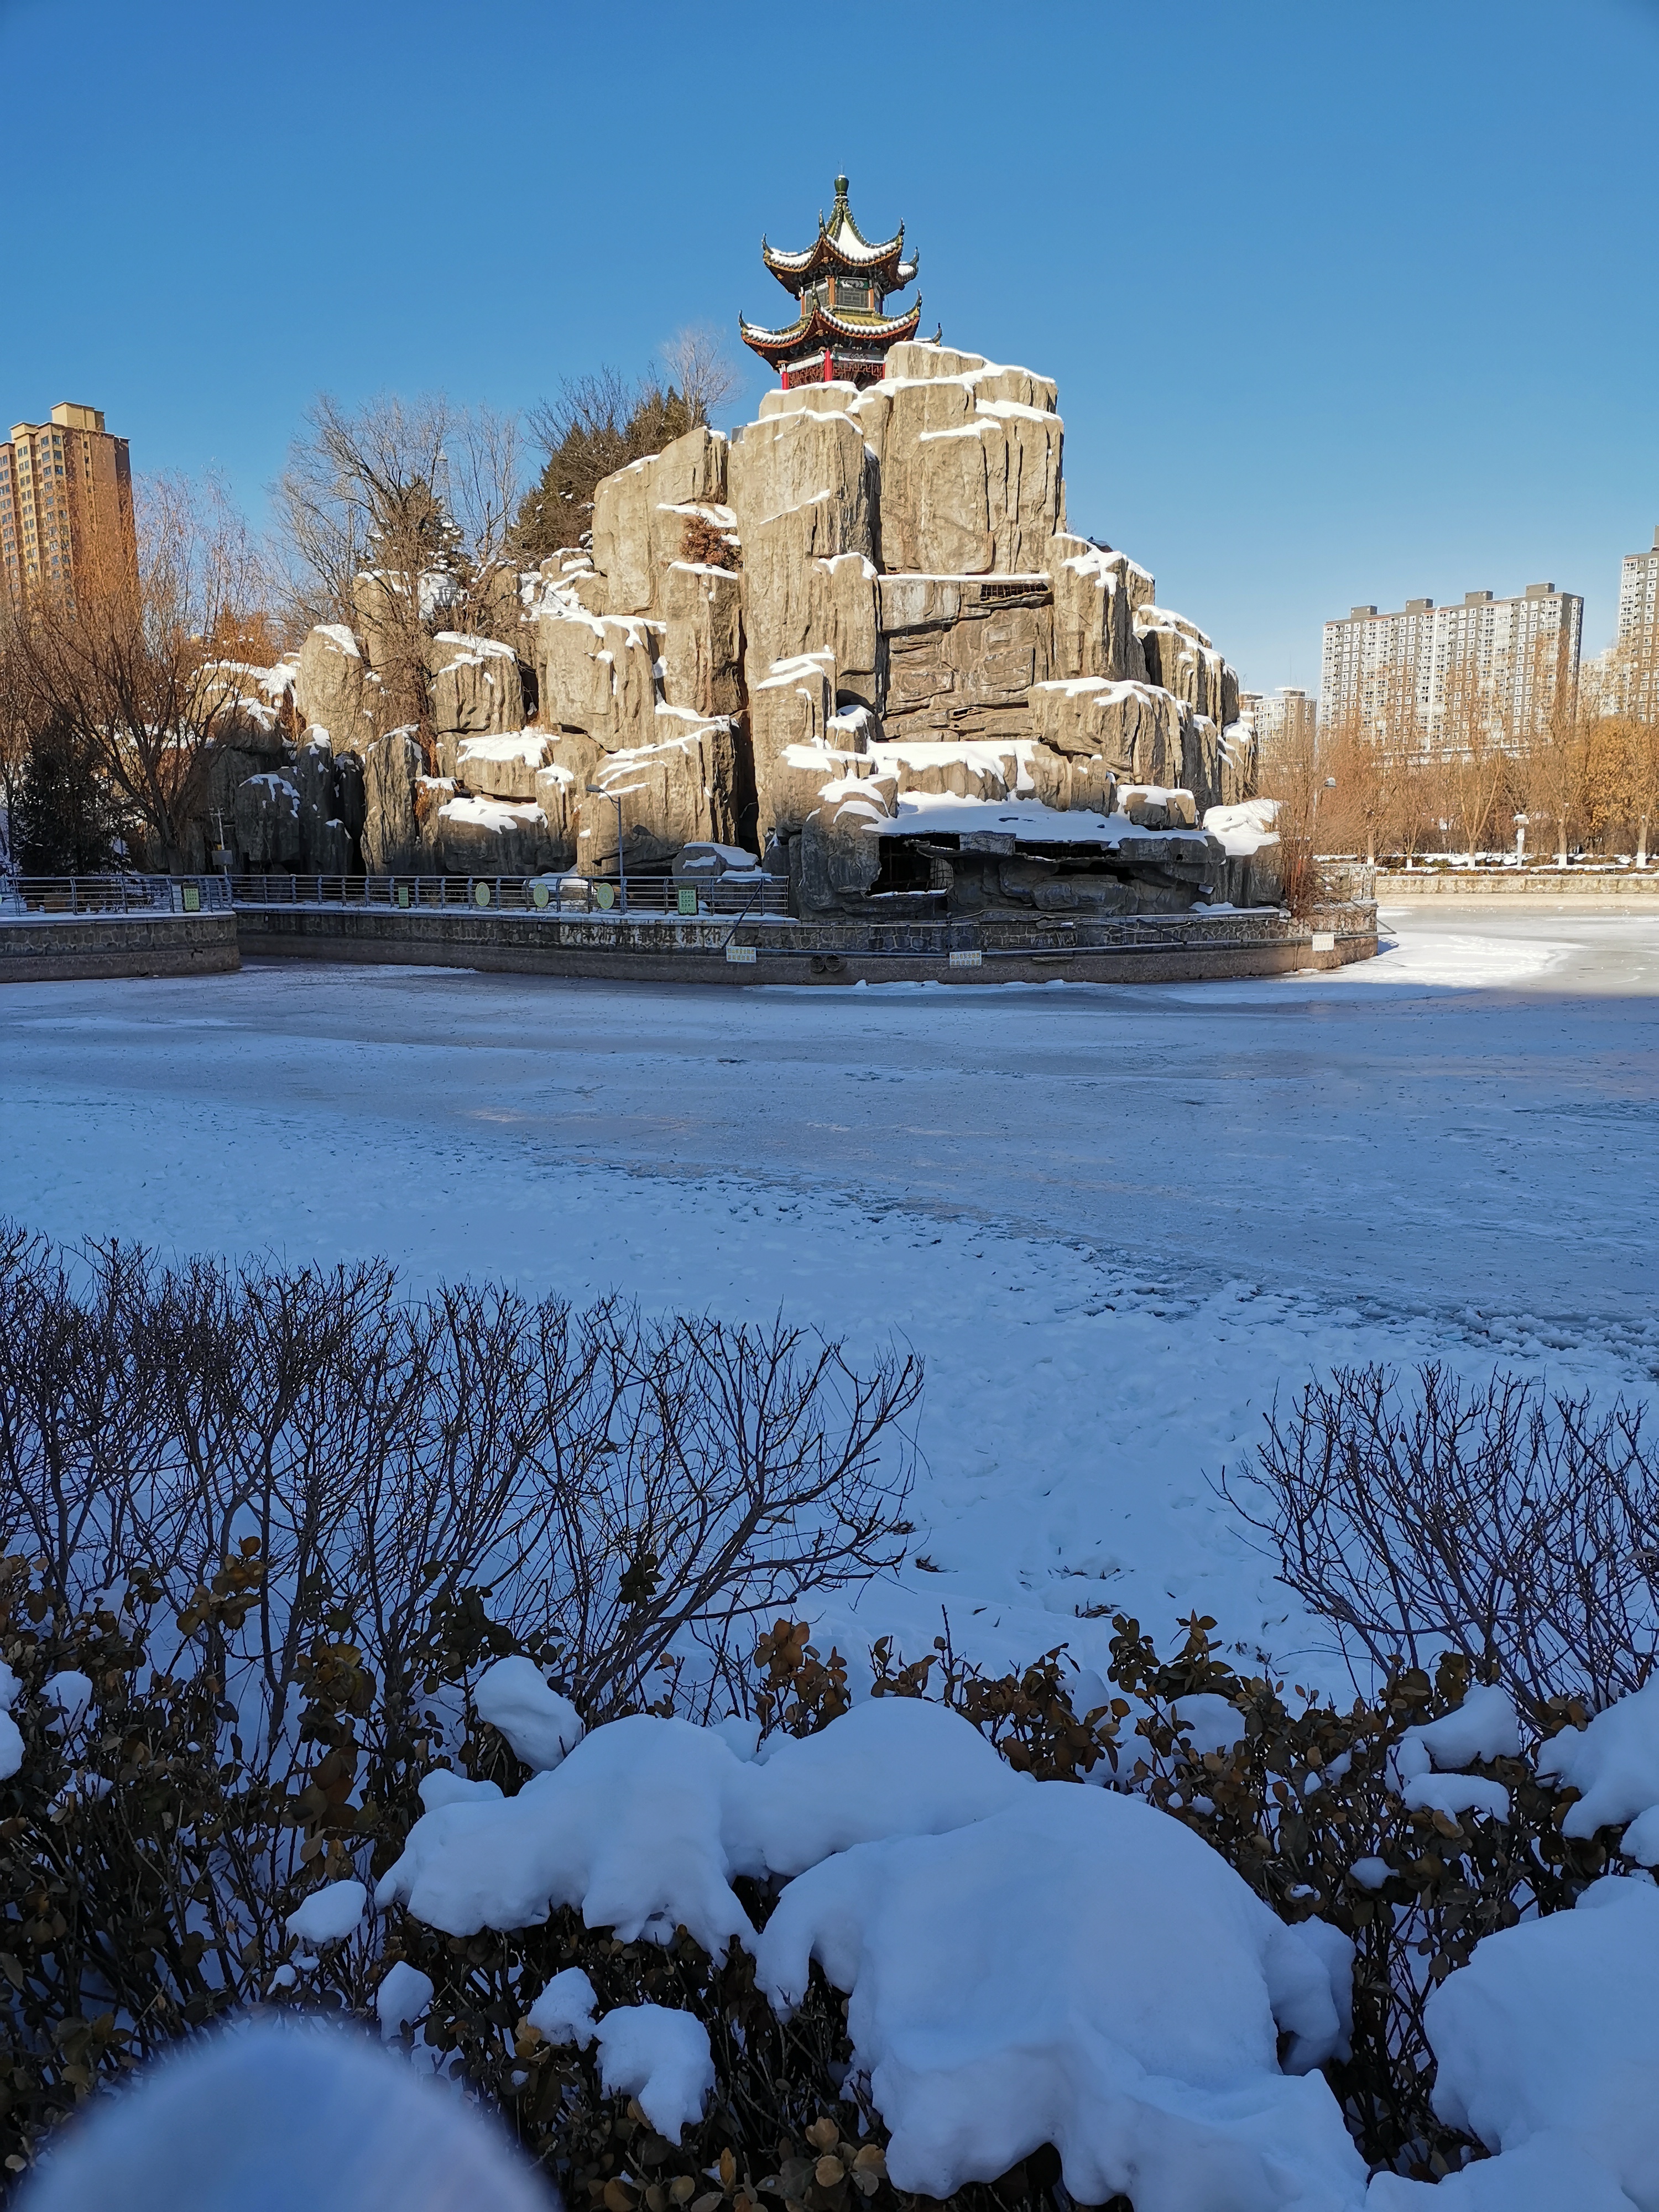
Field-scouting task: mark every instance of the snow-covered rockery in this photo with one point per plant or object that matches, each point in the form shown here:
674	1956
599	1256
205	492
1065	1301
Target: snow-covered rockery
1026	1962
855	637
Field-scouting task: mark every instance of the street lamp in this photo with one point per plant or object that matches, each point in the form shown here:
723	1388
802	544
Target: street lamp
599	791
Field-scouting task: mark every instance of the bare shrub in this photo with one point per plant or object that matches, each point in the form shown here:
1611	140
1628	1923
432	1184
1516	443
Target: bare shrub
1516	1527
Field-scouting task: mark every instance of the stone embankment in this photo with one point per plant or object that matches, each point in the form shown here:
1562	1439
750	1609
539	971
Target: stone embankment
1553	890
67	948
1158	949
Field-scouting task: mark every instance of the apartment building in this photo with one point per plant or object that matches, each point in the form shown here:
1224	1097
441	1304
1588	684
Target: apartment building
66	519
1429	677
1625	679
1285	721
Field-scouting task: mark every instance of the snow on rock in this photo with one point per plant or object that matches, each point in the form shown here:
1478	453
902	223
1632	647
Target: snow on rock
1613	1764
645	1823
1077	1969
565	2010
402	1999
540	1725
661	2058
11	1740
1546	2046
1245	829
277	2112
70	1694
329	1915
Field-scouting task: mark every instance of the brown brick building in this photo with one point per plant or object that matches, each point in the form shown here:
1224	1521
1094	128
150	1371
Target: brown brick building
65	506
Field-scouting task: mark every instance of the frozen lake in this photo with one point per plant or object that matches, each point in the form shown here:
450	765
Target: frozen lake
1113	1220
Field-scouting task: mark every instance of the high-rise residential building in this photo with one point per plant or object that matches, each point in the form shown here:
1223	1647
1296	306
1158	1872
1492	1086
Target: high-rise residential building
1285	721
1625	679
66	519
1432	677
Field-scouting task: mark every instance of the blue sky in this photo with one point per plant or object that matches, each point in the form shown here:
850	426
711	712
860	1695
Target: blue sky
1346	304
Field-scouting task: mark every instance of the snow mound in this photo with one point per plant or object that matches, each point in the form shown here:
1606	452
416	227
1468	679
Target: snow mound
1082	1969
276	2113
540	1725
646	1823
661	2058
329	1915
1547	2047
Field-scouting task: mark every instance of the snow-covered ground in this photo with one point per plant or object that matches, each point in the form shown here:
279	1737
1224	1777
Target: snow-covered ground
1114	1221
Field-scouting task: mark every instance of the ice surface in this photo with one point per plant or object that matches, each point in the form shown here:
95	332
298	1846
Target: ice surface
1373	1164
1613	1764
269	2115
661	2058
329	1915
539	1723
1081	1970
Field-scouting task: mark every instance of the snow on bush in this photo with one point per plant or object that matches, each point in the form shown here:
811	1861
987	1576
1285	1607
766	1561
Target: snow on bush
661	2058
1081	1971
402	1998
564	2012
1613	1764
329	1915
273	2114
1547	2044
648	1822
11	1740
542	1727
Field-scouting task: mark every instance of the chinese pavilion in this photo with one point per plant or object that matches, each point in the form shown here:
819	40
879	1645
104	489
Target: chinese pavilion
842	281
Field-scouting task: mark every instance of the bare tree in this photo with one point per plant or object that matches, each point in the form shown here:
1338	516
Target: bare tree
393	519
700	370
1517	1527
125	664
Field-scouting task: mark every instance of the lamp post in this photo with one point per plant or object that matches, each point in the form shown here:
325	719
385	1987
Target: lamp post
599	791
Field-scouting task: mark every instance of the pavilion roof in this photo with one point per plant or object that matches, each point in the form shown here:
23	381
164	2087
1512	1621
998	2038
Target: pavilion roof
841	244
820	326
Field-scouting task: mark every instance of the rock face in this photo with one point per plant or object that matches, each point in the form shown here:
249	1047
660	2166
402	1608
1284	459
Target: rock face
907	632
337	691
476	687
684	790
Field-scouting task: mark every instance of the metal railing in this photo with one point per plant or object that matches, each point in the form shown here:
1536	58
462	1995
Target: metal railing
33	898
647	897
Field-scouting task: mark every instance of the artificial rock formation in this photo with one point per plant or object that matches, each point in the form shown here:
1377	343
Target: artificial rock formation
856	635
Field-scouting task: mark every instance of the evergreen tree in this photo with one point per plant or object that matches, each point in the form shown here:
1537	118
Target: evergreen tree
65	823
598	424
